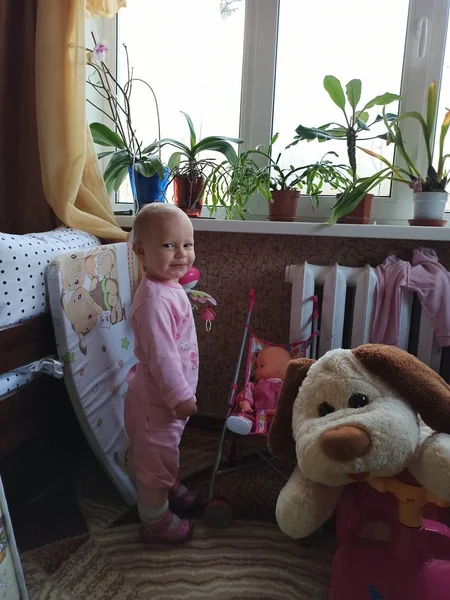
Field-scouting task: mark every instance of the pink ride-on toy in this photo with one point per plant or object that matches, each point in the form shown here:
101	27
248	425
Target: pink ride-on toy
218	511
387	556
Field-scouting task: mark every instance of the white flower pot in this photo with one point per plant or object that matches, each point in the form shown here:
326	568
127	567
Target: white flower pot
430	205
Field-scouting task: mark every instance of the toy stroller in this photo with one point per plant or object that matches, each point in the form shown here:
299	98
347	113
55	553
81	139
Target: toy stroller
250	411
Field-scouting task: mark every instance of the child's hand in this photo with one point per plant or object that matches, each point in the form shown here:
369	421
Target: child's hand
186	409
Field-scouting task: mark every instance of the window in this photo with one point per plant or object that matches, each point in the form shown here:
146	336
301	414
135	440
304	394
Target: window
444	102
260	64
305	56
190	52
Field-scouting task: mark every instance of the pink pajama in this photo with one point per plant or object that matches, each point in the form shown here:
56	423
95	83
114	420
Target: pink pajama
425	276
153	455
166	375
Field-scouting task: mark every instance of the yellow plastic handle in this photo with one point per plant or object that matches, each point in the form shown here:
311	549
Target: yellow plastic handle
411	499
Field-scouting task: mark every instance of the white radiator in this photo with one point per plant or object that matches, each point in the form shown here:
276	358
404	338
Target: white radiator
346	307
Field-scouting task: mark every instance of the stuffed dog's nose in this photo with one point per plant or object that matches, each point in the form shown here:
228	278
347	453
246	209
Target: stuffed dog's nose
345	443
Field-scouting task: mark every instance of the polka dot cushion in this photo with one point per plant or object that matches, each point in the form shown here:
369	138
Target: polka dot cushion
13	380
23	260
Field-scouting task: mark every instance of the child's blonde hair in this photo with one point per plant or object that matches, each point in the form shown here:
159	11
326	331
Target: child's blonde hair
151	214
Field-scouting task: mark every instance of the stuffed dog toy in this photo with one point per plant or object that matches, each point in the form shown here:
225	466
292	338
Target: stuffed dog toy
354	415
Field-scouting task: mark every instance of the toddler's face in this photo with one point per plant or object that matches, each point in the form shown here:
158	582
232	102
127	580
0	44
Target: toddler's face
168	251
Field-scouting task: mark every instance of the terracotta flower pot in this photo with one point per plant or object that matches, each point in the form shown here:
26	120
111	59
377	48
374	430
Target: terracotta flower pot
284	205
361	214
188	194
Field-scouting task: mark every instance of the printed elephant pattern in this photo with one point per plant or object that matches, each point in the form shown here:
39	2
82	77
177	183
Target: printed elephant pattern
90	291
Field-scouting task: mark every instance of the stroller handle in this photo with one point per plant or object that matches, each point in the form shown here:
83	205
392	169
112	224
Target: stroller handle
251	300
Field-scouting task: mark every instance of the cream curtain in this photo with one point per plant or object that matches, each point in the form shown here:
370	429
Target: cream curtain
71	175
103	8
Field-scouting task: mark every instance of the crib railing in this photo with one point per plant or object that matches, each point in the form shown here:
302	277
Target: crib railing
346	303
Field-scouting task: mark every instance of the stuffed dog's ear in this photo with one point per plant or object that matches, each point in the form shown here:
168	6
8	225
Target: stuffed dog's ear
280	439
418	384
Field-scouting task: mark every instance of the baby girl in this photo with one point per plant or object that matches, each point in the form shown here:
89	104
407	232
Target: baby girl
162	385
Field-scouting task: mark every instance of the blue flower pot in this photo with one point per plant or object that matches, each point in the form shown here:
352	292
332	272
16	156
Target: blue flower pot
147	190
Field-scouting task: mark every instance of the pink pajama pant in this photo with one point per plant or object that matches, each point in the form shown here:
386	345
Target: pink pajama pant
153	455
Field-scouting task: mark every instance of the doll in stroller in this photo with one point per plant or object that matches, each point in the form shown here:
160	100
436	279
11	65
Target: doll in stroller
256	403
251	409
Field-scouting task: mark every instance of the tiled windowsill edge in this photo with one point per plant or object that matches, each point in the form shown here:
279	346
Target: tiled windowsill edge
399	231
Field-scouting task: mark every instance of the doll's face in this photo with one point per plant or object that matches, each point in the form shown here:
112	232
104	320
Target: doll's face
271	363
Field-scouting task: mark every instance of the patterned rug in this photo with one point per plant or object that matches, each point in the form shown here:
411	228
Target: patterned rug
251	559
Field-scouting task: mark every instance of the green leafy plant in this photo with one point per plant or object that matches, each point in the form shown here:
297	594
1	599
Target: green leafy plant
435	179
186	161
256	171
128	151
356	120
353	194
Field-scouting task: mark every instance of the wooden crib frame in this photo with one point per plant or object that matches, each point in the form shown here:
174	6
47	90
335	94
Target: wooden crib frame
22	410
36	419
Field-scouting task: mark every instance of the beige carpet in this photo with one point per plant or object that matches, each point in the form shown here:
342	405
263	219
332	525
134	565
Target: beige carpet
247	561
251	559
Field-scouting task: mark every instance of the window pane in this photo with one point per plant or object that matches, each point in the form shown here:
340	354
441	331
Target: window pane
190	52
349	39
444	105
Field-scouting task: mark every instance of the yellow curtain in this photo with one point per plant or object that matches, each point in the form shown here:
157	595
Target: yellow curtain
71	175
103	8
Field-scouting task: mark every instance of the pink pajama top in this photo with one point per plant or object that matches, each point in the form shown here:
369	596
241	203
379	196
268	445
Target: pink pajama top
165	345
423	275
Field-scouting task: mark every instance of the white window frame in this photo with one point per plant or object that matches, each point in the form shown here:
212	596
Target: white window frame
105	30
423	63
426	31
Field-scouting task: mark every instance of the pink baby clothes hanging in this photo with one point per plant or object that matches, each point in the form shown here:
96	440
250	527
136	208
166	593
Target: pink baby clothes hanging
425	276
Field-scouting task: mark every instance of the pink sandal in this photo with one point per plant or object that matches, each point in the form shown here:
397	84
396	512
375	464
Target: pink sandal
159	533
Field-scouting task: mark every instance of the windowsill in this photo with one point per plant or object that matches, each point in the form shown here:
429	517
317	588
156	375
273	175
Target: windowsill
399	230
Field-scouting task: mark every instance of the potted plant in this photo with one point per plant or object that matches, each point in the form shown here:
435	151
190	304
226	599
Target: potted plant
189	170
231	186
353	195
356	120
148	176
429	189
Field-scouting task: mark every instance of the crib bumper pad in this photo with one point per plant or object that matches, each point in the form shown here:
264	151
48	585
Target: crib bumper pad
23	260
90	295
12	380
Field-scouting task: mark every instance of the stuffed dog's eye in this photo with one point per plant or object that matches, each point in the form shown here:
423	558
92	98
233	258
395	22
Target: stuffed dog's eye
325	409
358	401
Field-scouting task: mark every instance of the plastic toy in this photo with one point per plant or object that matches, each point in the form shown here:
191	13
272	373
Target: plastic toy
199	300
371	429
395	556
219	512
256	403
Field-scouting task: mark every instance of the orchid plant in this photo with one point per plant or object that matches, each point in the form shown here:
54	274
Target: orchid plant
436	178
185	161
128	152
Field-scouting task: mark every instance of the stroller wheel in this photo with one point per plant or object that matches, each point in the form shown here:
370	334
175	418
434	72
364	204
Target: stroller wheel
218	513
